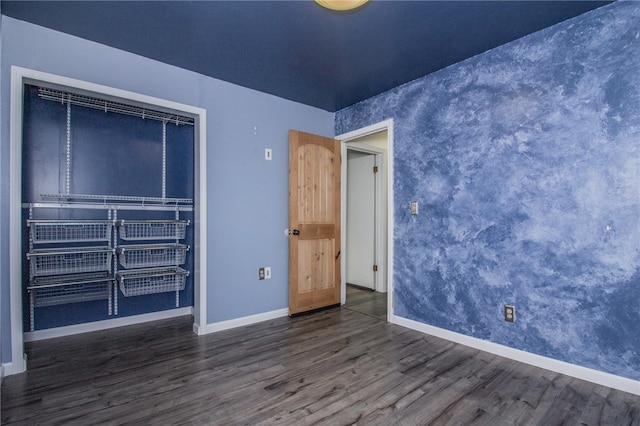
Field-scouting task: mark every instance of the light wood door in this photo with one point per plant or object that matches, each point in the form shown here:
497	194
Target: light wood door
314	222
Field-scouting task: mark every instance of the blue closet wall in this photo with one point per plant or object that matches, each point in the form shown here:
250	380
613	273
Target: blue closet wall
112	154
526	163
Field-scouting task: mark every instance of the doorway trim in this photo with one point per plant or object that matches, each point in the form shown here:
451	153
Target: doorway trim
20	77
345	139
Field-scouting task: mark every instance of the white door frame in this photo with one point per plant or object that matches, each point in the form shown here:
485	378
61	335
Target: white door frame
350	137
20	77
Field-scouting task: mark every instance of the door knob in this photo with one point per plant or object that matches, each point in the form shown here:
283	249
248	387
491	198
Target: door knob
296	232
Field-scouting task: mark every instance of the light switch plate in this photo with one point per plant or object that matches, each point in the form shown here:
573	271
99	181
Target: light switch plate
267	154
414	207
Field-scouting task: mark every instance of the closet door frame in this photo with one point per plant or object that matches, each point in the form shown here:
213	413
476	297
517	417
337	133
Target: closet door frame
21	76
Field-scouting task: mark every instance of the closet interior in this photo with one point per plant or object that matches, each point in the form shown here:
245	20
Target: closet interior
107	201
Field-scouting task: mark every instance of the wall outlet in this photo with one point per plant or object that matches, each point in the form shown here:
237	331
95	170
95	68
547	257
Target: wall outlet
510	313
264	273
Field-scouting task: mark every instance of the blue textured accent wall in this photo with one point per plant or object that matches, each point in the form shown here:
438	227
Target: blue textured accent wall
526	164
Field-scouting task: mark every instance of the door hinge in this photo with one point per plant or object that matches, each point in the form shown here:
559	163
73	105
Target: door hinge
375	268
375	169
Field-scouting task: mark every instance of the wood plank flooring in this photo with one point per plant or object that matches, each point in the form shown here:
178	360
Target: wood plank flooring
337	367
366	302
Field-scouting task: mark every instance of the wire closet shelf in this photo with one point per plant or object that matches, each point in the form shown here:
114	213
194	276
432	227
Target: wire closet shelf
65	231
112	106
138	282
62	289
73	260
150	255
152	229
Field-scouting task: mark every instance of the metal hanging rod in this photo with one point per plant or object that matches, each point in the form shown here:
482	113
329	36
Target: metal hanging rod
111	106
108	206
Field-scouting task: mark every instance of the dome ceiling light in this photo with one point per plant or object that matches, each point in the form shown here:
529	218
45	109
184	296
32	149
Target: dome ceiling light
341	5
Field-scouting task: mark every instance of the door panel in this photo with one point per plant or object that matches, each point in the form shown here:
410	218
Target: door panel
315	179
314	214
315	265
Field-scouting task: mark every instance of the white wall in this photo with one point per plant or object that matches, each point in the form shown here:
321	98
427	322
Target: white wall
360	250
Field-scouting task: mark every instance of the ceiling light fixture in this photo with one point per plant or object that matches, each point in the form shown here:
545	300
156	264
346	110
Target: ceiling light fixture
341	5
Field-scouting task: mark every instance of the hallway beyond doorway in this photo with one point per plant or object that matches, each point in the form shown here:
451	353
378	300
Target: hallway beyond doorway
367	302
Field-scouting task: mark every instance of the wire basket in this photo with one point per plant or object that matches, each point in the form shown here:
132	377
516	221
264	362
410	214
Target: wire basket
152	229
59	290
150	281
150	255
66	231
75	260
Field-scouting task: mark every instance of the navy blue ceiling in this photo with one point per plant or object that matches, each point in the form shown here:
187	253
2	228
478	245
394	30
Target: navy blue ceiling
296	49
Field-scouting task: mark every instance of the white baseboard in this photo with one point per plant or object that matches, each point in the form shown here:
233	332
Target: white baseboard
51	333
11	368
583	373
7	369
248	320
198	329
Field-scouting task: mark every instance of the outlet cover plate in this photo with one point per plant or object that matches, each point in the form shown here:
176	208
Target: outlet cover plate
509	313
414	207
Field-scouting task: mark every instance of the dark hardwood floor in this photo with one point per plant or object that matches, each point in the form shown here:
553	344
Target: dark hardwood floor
336	367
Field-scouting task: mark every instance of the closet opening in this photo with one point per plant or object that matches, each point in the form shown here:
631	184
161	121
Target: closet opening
106	209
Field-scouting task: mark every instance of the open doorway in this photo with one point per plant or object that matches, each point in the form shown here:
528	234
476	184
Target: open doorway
365	290
21	77
366	232
362	197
